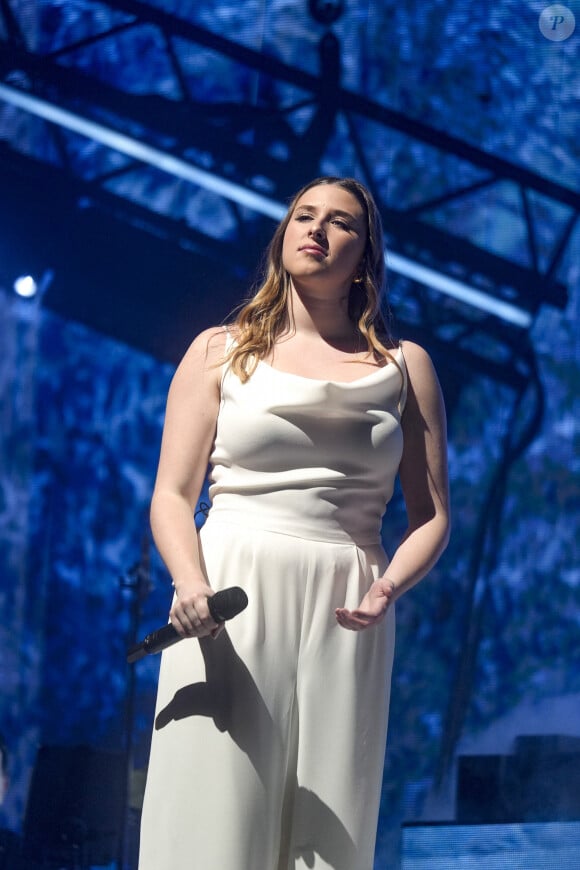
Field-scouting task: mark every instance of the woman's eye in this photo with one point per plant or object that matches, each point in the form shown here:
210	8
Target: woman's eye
337	222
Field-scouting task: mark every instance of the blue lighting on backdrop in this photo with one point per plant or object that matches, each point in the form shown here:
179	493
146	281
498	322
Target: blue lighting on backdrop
82	413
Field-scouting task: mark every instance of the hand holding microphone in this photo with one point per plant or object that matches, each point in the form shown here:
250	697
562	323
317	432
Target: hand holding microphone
223	605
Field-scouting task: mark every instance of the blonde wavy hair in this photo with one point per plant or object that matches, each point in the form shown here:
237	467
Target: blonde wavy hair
264	317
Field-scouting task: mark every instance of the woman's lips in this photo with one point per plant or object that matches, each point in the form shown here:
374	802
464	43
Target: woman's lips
313	249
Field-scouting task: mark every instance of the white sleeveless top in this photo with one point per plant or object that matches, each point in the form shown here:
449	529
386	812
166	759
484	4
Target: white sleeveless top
311	458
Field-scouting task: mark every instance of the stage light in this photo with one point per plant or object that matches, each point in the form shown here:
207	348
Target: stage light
250	199
28	287
25	286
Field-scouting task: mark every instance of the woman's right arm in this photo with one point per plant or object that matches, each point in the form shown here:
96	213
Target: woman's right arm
188	434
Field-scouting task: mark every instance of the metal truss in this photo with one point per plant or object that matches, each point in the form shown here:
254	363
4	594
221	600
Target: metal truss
277	126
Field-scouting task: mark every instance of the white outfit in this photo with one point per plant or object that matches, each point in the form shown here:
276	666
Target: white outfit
269	742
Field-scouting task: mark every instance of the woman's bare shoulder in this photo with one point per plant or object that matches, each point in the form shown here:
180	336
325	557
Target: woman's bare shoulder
420	370
417	359
207	348
202	359
414	353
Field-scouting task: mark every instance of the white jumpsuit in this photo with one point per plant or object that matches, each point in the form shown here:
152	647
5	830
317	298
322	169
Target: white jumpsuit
268	746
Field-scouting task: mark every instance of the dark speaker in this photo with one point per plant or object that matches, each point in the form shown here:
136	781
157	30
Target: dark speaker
525	787
480	796
547	786
76	807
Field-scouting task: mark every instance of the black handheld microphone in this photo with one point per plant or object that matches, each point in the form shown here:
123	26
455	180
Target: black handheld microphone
222	605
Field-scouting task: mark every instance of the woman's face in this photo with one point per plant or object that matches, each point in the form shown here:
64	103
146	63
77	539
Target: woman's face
325	239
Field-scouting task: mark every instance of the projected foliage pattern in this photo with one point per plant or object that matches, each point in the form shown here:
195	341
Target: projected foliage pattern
82	414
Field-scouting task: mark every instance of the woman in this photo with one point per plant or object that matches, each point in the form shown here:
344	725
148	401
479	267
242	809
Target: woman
269	734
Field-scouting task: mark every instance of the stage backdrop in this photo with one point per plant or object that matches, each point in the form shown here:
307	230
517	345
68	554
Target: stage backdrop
81	417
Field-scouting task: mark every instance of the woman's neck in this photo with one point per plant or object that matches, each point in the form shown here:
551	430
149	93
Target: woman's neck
311	315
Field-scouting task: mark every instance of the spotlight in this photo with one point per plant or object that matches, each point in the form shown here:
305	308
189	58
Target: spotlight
326	11
25	286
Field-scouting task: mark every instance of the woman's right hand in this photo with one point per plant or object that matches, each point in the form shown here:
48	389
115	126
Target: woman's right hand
190	614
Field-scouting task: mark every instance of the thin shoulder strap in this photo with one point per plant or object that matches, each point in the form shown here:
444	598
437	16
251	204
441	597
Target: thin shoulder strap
405	379
230	340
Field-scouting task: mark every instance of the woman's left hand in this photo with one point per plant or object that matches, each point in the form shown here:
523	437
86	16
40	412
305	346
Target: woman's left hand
372	608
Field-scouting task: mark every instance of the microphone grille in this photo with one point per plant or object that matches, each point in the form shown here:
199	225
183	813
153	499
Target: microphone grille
227	603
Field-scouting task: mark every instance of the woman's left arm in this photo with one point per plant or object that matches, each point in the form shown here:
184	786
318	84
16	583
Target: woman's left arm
424	481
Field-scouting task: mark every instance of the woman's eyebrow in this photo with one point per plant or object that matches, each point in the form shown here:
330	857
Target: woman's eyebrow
333	211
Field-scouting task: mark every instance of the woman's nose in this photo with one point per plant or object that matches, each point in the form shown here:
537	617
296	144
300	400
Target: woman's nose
316	230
